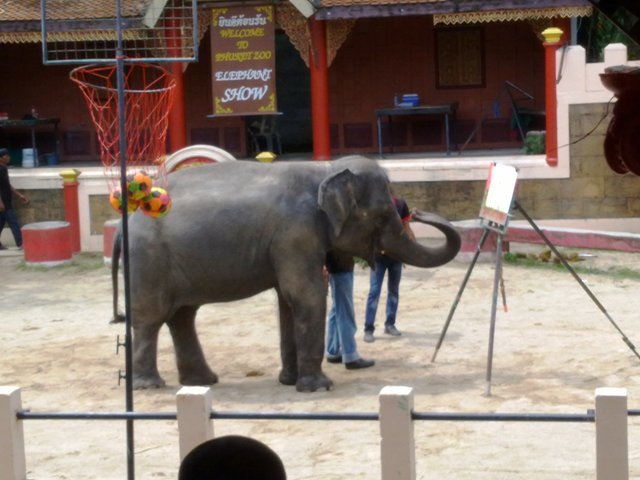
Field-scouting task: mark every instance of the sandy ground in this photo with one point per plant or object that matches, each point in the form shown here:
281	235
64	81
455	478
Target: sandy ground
553	348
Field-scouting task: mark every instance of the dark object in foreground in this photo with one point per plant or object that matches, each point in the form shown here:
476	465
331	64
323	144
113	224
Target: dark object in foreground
232	457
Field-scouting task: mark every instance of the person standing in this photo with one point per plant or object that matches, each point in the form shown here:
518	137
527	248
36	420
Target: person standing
385	264
341	322
7	212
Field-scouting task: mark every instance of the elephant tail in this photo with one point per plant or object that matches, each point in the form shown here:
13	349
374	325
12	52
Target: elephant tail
115	263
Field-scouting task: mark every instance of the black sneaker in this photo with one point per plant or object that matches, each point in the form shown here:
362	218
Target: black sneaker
2	247
392	330
360	363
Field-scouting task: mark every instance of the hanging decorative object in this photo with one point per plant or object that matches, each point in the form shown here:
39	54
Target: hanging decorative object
622	142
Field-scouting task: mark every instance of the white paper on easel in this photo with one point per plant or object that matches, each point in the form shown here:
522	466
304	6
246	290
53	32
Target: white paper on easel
498	193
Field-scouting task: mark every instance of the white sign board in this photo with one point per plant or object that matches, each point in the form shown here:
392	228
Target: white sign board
498	193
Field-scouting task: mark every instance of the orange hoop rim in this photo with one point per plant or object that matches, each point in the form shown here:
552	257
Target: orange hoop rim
75	76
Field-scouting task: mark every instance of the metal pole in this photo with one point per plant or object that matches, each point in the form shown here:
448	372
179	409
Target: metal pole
125	245
494	305
577	277
485	232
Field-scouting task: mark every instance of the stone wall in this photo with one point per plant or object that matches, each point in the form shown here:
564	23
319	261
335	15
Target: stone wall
47	204
592	191
44	205
100	211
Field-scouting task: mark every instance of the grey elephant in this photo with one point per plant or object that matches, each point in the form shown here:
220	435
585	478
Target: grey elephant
240	228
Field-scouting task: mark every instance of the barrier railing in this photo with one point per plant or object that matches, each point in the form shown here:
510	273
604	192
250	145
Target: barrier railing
194	415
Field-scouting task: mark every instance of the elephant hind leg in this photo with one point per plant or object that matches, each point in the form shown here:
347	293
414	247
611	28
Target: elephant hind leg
192	365
145	353
288	350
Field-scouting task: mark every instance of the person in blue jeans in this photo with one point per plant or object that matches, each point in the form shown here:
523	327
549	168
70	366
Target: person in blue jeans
385	264
7	212
341	322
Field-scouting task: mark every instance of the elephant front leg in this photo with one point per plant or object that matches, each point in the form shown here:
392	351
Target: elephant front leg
192	365
302	342
310	374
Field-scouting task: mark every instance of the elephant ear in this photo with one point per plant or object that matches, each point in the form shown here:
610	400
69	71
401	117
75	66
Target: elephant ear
336	198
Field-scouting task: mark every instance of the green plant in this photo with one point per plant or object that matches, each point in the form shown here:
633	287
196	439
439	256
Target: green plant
81	262
534	143
598	31
529	261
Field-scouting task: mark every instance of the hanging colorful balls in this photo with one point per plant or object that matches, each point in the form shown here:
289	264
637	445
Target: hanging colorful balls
157	204
115	199
139	185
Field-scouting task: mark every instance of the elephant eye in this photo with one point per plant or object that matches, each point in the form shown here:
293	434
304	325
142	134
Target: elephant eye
380	220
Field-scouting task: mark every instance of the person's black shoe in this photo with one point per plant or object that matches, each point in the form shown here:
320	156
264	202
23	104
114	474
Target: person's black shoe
337	359
392	330
2	247
360	363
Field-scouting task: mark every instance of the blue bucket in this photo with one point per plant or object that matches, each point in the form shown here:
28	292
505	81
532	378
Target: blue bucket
51	158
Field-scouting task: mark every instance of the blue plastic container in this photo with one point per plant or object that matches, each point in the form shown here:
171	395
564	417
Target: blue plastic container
411	99
51	158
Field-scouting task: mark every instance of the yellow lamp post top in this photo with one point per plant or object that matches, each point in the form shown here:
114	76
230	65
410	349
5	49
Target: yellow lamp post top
552	34
266	157
71	175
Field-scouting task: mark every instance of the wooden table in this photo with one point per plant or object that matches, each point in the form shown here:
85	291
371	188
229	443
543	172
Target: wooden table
32	124
447	109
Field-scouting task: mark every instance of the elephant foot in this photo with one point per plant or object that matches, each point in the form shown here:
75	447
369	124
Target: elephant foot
288	377
142	382
199	378
311	383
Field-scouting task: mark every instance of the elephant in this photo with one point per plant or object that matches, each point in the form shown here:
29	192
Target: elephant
239	228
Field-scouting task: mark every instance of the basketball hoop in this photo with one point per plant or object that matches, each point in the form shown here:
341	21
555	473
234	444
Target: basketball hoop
148	97
129	99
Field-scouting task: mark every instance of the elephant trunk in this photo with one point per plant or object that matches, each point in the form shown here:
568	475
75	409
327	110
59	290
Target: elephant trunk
402	248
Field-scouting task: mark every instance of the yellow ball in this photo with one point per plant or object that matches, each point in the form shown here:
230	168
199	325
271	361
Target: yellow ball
139	185
157	204
115	199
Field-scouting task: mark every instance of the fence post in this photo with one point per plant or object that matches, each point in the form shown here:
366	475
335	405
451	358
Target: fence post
612	452
194	417
397	444
13	465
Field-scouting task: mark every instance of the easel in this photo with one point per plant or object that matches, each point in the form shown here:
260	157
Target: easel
506	89
494	218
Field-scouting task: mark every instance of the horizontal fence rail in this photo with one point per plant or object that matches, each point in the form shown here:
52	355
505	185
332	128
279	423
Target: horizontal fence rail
430	416
396	416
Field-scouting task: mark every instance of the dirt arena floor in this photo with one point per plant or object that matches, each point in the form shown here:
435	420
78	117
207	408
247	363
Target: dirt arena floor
553	348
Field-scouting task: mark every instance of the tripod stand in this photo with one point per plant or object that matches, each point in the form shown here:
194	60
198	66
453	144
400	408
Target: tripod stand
510	90
501	230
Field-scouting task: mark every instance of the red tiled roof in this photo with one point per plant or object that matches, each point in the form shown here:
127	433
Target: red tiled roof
29	10
460	5
349	3
462	10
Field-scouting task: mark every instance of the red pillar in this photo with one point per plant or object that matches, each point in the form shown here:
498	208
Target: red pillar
177	123
552	41
319	90
71	210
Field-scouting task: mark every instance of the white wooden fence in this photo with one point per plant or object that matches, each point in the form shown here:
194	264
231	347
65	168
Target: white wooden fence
397	442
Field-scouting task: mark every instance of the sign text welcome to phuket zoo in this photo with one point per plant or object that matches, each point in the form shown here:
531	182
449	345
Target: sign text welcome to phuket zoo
243	61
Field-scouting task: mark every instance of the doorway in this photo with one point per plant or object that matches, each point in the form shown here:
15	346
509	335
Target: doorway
294	97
